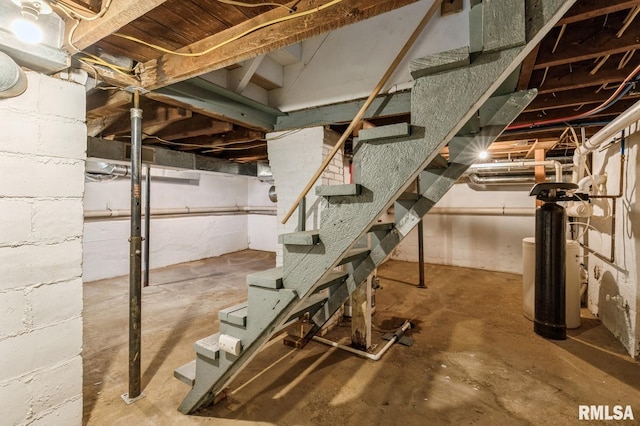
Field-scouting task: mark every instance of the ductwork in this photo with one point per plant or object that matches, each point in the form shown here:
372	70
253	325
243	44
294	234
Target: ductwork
13	81
521	165
103	168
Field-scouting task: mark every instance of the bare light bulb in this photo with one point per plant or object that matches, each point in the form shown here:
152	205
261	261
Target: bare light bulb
483	155
27	30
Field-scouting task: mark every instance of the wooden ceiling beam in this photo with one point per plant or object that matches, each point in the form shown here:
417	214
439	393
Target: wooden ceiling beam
105	101
152	116
572	98
578	76
197	126
169	69
555	114
580	44
588	9
237	136
120	13
526	70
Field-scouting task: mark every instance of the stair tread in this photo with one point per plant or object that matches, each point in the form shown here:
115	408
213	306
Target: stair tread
338	190
186	373
311	301
382	226
269	278
332	278
208	346
408	196
235	314
439	162
397	130
300	238
354	254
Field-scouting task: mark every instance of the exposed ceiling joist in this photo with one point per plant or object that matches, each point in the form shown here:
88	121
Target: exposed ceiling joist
587	9
120	13
198	126
163	157
579	44
572	98
169	69
153	115
579	76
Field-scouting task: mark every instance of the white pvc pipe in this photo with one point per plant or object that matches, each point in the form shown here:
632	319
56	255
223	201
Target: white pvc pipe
101	214
585	182
373	357
522	165
621	122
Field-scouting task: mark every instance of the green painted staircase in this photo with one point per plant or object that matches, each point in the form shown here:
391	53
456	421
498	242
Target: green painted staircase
461	99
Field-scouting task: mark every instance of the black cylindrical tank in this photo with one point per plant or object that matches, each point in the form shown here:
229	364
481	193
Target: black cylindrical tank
550	314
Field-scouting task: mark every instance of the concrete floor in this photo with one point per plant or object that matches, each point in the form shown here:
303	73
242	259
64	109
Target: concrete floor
475	359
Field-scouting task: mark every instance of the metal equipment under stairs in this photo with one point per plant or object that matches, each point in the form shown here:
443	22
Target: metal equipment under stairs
458	100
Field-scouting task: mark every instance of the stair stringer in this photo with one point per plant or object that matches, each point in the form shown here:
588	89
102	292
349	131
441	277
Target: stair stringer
463	153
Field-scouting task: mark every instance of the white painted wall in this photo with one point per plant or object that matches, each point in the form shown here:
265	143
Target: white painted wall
621	277
482	242
261	229
42	152
294	158
347	63
174	239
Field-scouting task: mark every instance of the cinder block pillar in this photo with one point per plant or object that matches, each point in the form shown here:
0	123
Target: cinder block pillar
42	159
294	157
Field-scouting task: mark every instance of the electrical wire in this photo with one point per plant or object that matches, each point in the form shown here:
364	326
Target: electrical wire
242	4
232	39
622	90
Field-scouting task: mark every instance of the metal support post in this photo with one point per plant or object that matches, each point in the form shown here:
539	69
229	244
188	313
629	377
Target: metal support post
302	214
421	283
147	224
135	256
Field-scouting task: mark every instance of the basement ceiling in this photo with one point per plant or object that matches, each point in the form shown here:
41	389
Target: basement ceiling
579	70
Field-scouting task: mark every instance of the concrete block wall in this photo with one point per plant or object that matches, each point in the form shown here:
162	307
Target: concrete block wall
42	160
294	157
482	242
618	280
175	239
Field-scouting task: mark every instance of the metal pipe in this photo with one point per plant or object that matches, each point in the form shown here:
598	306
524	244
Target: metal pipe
522	165
420	245
13	81
114	213
501	180
484	211
147	225
135	252
302	214
373	357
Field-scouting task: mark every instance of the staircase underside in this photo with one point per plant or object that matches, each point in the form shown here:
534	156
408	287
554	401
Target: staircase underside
458	99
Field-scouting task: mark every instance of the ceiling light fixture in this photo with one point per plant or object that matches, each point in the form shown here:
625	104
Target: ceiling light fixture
483	155
27	28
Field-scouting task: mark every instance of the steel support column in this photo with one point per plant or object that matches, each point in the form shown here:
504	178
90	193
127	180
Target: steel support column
135	256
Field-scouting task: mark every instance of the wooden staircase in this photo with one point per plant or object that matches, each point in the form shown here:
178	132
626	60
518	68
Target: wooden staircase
461	99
